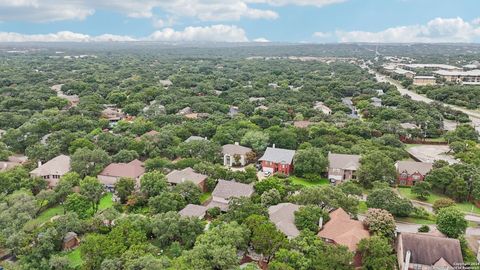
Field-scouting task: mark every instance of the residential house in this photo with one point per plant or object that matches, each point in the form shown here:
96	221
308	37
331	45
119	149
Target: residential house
233	111
302	124
225	190
261	107
342	167
112	114
113	172
320	106
411	172
427	252
193	210
196	138
341	229
430	67
235	154
185	111
70	241
12	162
53	169
376	102
166	83
256	99
176	177
424	80
283	216
277	160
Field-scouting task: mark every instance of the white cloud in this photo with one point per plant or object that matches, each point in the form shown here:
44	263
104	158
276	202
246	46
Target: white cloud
436	30
322	35
317	3
205	10
261	40
214	33
63	36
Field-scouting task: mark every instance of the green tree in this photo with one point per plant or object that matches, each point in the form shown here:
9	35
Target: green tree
153	183
171	227
387	199
271	197
422	190
257	140
380	222
442	203
327	198
91	188
377	253
80	143
265	238
189	191
124	188
88	162
125	156
441	178
165	202
308	217
451	222
239	209
310	161
376	166
78	204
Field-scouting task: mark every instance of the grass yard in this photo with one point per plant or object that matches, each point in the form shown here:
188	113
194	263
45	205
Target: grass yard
362	207
105	202
45	216
205	197
466	207
307	183
74	258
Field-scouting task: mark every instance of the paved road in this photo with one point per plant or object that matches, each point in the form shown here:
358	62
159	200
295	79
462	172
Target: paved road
428	207
473	115
413	228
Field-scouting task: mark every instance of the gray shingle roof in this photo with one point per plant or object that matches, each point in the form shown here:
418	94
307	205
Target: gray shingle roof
412	167
187	174
195	138
193	210
231	189
427	249
283	216
278	155
235	149
343	161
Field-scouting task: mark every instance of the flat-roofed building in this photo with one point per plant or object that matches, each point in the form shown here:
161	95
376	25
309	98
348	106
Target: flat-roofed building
463	77
424	80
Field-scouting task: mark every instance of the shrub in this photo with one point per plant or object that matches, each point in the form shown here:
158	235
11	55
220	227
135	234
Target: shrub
214	212
424	229
442	203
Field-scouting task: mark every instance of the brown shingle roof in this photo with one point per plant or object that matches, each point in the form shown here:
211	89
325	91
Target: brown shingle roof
428	250
344	230
187	174
133	169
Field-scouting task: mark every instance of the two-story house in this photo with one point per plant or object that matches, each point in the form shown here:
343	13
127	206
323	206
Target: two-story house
411	172
52	170
342	167
277	160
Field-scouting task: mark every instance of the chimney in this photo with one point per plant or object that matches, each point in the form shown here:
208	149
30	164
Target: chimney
273	146
39	163
320	223
206	139
407	260
236	143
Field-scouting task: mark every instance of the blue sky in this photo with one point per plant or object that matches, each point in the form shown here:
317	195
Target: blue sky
241	20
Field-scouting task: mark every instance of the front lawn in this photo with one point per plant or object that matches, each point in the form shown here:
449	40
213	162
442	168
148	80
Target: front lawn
466	207
420	221
308	183
205	197
362	207
74	258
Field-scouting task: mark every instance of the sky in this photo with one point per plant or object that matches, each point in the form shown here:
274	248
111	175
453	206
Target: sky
298	21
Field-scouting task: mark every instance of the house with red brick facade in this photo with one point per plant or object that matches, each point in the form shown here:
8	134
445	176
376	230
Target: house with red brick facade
277	160
410	172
